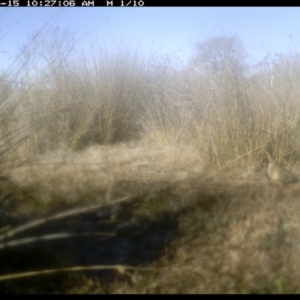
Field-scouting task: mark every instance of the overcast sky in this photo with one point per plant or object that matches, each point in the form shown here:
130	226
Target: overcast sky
161	30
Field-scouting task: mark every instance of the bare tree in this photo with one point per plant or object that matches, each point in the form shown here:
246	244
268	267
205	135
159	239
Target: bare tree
221	54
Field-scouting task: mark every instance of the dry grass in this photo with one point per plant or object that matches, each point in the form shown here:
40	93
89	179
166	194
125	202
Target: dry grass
212	234
121	175
211	237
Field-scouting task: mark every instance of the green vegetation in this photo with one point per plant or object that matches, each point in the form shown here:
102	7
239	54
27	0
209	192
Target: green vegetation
126	175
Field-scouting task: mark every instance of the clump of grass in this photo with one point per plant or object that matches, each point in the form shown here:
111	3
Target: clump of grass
234	114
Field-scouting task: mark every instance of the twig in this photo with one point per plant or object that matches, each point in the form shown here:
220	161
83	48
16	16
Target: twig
119	268
49	237
36	223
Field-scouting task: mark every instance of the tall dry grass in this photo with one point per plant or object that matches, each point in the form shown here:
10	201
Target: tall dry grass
105	98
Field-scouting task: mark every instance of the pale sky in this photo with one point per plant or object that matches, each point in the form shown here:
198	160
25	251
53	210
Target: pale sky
160	30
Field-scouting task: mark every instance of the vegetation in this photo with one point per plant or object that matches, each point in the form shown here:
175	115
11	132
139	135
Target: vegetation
126	175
